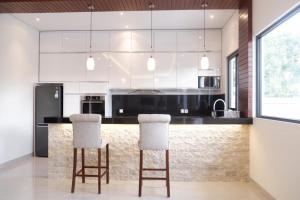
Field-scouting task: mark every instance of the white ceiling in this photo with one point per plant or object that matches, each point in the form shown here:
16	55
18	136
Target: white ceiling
177	19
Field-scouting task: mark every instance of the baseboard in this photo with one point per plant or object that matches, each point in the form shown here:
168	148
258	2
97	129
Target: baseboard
260	190
16	161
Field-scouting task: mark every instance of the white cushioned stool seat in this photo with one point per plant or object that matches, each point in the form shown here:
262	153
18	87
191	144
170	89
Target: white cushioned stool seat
87	131
154	131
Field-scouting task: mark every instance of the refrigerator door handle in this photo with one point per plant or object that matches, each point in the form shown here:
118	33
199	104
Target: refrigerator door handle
42	125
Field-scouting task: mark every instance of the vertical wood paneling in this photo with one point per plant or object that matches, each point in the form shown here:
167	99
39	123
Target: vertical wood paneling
245	58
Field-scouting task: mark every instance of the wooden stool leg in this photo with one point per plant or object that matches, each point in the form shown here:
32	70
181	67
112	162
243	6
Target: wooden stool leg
82	166
168	173
141	173
107	163
99	171
74	170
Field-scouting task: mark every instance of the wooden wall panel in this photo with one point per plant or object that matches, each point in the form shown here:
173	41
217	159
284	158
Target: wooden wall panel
245	58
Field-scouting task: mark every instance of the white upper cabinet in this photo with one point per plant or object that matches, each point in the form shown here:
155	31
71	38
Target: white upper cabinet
93	88
71	88
189	41
165	72
75	41
50	41
141	40
101	71
165	41
213	39
119	70
140	76
120	40
62	67
100	40
187	70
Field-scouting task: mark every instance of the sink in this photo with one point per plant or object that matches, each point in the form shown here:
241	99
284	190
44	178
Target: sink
225	114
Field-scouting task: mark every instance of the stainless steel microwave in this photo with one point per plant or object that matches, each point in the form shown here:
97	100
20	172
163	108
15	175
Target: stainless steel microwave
209	82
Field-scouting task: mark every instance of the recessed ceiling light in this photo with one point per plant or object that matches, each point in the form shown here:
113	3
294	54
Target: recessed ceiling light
121	13
37	19
212	16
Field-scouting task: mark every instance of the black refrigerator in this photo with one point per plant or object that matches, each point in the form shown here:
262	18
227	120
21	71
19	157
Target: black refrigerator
48	103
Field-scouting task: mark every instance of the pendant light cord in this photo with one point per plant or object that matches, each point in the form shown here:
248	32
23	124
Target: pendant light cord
91	7
204	23
151	31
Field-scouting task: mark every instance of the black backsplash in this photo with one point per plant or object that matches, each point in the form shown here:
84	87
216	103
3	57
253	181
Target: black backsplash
132	105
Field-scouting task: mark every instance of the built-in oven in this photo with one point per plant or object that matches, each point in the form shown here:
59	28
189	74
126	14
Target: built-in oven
93	105
209	82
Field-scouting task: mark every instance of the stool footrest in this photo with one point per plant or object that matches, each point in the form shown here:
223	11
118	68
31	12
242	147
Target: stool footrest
94	167
153	169
89	175
154	178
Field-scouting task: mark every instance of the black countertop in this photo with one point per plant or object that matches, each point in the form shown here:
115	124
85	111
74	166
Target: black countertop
174	120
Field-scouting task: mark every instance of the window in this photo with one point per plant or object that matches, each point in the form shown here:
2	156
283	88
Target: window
233	81
278	69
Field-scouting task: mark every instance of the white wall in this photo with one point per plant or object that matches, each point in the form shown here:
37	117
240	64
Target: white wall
274	145
230	43
18	72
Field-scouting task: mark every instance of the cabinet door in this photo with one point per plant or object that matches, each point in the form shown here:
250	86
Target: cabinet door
71	88
120	40
100	41
101	71
141	40
187	70
71	104
93	88
51	41
62	67
214	65
75	41
165	41
141	78
189	41
213	40
119	71
165	72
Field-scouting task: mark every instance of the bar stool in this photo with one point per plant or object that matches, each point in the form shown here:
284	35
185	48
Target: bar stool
87	135
154	135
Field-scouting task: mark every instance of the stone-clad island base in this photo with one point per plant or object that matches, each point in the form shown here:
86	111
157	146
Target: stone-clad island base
197	152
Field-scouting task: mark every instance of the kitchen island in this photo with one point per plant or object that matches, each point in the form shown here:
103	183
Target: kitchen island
201	149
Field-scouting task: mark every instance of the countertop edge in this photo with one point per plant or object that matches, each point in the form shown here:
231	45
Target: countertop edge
174	120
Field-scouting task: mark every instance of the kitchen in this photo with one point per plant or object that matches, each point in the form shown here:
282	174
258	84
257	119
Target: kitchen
193	62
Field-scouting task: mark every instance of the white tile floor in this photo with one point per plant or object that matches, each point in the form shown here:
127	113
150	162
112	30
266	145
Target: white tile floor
28	181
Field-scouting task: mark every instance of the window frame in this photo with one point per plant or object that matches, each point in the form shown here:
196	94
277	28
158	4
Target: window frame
234	54
258	92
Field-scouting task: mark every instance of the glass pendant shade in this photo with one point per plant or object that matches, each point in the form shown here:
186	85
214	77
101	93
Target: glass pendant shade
90	63
204	62
151	64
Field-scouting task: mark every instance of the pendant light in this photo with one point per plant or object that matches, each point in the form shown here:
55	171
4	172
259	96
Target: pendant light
151	64
90	62
204	59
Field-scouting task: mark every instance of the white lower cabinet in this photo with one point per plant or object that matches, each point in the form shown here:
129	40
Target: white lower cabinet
71	104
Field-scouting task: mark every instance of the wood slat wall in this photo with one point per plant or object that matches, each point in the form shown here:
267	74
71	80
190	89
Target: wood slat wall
41	6
245	58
